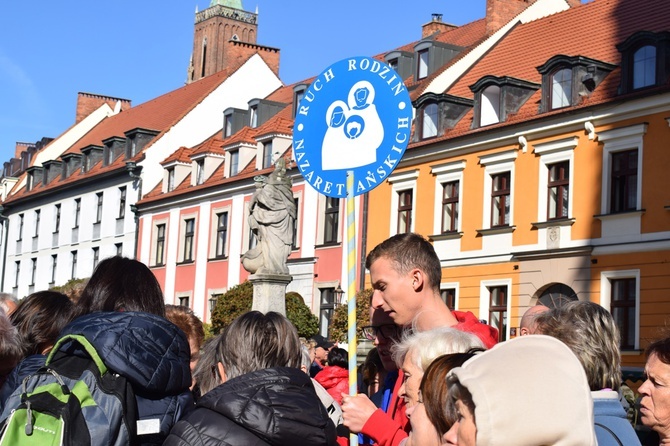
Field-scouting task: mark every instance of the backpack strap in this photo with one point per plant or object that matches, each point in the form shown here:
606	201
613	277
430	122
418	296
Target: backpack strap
81	340
610	431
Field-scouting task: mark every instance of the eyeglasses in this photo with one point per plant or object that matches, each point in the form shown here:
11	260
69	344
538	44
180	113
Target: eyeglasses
384	331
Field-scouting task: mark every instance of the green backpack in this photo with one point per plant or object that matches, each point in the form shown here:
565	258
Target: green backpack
72	400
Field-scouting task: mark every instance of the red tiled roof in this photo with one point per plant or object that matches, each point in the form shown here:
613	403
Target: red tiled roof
590	30
281	123
213	145
180	156
157	114
246	135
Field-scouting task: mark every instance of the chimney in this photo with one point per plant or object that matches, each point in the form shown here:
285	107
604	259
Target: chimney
436	25
21	147
87	103
239	52
500	12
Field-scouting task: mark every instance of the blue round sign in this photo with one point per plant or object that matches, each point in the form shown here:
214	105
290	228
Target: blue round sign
355	117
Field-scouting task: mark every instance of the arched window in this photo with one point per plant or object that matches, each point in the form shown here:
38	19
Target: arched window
429	121
490	106
561	88
644	67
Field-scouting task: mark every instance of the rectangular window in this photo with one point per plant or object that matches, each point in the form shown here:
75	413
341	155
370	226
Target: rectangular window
422	68
267	154
54	265
119	249
498	310
184	301
559	187
234	162
189	231
98	207
77	212
332	220
227	126
170	185
160	244
623	194
122	202
33	270
622	307
57	222
327	309
450	206
405	211
500	199
38	215
17	273
96	257
20	237
448	295
73	273
294	242
200	171
253	117
221	234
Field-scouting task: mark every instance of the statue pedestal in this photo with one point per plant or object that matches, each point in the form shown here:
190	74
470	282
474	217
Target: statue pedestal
270	292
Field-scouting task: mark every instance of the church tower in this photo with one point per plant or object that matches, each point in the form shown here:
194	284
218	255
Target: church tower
217	29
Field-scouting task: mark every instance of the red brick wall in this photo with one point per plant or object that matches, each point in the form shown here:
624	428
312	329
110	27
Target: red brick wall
87	103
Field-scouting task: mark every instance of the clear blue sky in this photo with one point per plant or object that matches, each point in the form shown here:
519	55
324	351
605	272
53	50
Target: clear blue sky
139	49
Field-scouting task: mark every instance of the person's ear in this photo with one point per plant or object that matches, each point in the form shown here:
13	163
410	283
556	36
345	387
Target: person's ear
222	372
524	331
418	279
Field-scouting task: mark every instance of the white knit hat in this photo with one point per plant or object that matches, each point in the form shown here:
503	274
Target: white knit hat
529	391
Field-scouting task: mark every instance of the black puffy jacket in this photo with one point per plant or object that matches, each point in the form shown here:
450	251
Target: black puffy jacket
275	406
151	353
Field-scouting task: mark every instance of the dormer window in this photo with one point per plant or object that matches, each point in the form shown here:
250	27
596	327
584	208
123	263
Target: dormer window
498	97
644	67
490	106
438	113
200	171
422	64
402	62
642	56
429	118
234	162
253	116
227	125
561	88
393	63
298	94
170	180
565	80
267	154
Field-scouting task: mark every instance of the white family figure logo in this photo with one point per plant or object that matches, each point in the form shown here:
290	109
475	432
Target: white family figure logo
355	130
356	118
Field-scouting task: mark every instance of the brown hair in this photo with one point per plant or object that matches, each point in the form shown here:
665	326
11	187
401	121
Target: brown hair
122	284
434	390
39	319
409	251
184	318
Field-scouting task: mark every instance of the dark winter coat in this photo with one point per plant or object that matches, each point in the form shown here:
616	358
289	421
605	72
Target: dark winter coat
25	368
151	353
275	406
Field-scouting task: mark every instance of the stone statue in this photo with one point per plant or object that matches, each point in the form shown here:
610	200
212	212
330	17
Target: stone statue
272	219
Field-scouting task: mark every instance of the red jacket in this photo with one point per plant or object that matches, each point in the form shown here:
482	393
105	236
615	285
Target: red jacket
469	323
389	428
335	380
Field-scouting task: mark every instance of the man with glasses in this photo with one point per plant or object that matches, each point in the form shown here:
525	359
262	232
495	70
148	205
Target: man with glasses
388	424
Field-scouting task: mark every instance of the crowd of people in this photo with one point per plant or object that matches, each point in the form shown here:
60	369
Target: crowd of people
434	377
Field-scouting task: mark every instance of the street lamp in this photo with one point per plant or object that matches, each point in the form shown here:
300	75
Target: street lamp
339	292
212	304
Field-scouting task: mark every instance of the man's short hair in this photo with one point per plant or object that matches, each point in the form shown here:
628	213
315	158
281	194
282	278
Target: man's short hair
409	251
